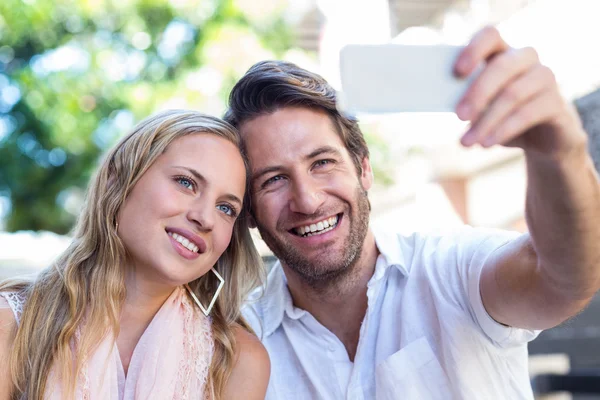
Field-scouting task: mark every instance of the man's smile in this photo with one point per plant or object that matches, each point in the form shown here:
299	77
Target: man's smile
317	227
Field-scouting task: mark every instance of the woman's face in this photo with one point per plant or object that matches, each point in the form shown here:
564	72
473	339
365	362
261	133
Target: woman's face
179	217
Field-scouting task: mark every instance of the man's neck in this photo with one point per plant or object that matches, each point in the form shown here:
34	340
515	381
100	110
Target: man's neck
341	306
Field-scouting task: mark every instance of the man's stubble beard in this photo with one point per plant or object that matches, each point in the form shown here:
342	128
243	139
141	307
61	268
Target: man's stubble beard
330	268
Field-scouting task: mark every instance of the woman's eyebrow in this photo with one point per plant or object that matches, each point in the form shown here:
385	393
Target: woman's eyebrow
193	172
229	196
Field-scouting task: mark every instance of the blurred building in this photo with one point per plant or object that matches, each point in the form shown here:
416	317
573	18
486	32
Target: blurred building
437	183
589	110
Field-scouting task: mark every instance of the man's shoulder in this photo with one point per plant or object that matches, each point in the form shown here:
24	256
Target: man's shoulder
402	248
455	234
414	249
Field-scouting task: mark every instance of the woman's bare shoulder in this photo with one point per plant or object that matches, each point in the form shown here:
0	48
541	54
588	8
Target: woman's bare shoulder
8	330
8	325
250	376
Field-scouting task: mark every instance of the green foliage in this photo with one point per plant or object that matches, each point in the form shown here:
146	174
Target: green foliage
75	75
379	156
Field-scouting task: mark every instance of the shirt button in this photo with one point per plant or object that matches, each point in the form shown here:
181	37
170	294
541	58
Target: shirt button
331	348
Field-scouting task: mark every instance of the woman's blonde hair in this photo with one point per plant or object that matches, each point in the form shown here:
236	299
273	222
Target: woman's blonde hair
88	278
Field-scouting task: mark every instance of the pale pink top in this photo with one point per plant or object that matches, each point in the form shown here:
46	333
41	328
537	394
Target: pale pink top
170	361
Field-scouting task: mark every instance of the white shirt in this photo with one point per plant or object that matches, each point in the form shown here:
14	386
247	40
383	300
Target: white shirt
425	335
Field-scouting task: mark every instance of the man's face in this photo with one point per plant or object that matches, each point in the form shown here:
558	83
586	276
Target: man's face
308	200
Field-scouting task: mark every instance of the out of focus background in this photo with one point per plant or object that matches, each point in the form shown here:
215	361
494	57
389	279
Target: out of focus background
75	75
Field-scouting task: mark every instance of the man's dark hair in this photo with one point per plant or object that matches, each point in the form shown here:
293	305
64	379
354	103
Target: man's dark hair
272	85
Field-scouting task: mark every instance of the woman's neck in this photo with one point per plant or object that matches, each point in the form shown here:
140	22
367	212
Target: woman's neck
143	300
144	295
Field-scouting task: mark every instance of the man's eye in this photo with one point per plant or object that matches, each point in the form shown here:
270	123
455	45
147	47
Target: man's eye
321	163
186	182
227	209
272	180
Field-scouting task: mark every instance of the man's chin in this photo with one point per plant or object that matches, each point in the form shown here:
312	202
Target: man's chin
317	273
314	266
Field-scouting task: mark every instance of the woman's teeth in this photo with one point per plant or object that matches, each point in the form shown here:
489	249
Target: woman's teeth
319	228
184	242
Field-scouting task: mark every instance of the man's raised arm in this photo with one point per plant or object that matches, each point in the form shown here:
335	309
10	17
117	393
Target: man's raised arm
544	277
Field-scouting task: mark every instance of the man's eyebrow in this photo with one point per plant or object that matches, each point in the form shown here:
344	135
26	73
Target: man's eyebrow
202	179
323	150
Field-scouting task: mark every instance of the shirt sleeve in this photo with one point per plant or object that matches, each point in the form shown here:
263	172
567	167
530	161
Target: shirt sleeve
474	247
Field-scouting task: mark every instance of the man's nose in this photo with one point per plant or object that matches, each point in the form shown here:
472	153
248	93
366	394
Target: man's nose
307	197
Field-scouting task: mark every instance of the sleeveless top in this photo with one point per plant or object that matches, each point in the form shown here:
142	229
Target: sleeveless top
170	361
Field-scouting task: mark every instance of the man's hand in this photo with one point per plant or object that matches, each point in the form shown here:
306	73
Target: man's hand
515	101
550	274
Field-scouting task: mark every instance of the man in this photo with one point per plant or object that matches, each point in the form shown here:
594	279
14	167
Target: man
349	313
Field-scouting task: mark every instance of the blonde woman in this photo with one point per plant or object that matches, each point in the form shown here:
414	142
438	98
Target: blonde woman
121	314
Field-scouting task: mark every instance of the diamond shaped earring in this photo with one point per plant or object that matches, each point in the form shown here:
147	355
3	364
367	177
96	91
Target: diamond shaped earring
206	311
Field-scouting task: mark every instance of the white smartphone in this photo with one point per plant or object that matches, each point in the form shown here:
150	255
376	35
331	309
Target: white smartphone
400	78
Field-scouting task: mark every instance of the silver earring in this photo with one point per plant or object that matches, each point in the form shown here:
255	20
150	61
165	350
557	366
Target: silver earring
206	311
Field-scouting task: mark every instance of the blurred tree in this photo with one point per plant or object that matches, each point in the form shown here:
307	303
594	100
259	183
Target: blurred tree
75	75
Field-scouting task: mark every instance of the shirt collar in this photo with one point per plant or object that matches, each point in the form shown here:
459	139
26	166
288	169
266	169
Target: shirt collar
390	247
276	300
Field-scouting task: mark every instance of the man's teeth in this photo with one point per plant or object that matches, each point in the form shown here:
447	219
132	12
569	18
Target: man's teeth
319	228
184	242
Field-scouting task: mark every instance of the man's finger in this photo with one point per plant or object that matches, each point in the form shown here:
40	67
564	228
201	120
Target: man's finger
515	95
504	69
535	112
484	45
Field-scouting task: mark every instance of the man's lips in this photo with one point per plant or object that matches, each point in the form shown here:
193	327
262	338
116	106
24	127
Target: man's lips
193	240
316	227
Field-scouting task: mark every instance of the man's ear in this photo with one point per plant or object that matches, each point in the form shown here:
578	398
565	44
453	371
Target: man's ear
366	176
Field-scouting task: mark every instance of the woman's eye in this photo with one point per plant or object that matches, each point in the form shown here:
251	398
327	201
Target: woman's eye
186	182
227	209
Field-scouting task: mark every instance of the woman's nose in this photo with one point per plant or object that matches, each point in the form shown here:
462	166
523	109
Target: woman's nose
202	214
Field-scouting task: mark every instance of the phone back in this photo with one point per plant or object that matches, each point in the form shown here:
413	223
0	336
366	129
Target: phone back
400	78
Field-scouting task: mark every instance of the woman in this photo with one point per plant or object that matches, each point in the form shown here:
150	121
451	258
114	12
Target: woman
121	314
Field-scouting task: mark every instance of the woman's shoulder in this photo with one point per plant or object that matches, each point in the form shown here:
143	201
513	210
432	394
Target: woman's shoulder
250	348
8	328
250	375
14	301
8	325
8	322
